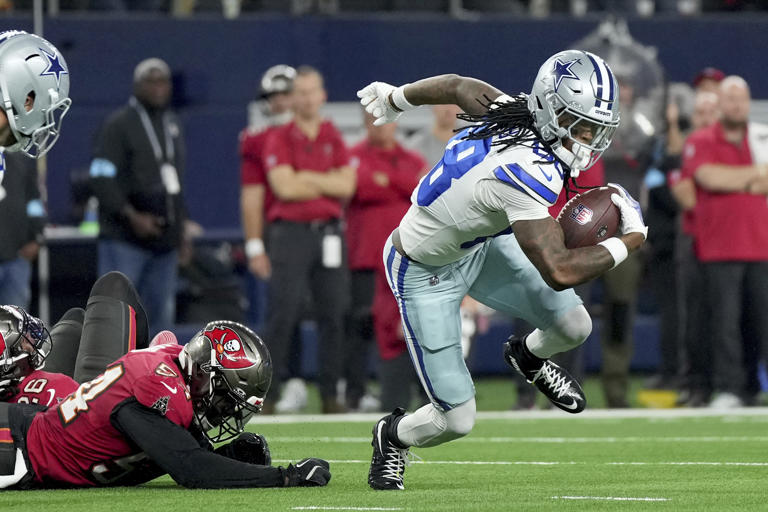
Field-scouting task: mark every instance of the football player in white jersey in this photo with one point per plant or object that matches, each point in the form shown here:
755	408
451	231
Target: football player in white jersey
479	225
34	94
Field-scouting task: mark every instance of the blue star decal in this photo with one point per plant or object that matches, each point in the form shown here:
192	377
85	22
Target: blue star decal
563	70
54	66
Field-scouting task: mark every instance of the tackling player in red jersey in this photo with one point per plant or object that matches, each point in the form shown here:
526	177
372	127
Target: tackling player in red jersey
156	411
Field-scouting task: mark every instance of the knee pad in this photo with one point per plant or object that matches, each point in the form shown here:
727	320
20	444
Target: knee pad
574	326
461	419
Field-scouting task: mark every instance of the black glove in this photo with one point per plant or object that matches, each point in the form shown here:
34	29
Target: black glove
247	447
308	473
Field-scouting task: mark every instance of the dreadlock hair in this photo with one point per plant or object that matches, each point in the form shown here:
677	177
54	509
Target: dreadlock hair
512	123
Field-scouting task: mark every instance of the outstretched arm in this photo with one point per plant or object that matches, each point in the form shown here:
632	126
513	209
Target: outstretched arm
177	452
465	92
386	102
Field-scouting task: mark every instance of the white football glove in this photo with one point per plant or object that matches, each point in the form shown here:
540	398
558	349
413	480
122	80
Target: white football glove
631	214
375	98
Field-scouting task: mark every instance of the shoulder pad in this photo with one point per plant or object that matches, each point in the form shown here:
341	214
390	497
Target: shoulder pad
538	176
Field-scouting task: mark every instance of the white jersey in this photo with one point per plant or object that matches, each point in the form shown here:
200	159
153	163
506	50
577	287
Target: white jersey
475	192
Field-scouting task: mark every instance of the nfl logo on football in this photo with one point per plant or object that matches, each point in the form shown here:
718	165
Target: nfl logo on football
581	214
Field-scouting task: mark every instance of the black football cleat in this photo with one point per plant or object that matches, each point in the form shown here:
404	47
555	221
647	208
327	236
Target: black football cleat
551	379
389	459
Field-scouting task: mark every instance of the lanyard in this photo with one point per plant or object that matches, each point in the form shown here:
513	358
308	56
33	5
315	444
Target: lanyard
152	135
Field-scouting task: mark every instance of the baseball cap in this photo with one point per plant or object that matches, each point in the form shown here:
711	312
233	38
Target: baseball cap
708	73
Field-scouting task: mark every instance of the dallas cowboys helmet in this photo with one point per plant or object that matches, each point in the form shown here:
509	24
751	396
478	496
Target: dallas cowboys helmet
576	91
24	344
31	67
229	370
277	79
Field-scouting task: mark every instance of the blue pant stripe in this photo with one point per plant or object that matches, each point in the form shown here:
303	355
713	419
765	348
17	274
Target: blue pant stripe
412	337
390	260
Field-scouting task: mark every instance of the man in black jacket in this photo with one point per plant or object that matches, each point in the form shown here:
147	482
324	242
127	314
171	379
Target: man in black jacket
137	175
22	218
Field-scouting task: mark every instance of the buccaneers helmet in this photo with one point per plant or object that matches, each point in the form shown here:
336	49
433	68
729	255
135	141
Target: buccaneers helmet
24	344
573	91
229	370
34	89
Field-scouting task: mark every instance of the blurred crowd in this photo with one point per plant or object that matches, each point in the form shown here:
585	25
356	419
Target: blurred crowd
457	8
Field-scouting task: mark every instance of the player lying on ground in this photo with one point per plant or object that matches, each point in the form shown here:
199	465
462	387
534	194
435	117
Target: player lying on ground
151	412
478	225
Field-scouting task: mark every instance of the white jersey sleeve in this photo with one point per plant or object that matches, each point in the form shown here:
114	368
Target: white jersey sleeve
496	195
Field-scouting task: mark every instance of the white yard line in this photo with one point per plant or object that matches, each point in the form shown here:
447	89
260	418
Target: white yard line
345	508
589	414
607	498
551	463
539	440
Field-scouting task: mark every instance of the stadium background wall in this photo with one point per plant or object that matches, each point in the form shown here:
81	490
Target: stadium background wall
217	63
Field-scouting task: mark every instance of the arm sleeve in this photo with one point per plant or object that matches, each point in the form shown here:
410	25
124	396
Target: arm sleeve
695	154
110	157
251	165
176	451
340	153
276	150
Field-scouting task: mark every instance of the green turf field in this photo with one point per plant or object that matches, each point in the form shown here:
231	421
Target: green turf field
601	460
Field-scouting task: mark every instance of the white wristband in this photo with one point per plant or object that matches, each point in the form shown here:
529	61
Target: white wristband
254	247
617	248
399	101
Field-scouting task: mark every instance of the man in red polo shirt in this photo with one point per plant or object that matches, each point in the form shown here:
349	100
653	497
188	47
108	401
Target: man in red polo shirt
387	173
309	174
255	197
731	232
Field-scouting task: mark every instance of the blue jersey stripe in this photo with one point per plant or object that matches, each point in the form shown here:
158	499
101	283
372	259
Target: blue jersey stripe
481	239
531	182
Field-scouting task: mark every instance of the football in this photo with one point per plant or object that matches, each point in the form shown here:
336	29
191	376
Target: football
589	218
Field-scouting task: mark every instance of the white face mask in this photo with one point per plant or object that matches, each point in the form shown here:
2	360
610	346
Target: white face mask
577	161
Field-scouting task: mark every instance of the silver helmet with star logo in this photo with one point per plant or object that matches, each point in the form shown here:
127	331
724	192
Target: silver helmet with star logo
34	89
575	91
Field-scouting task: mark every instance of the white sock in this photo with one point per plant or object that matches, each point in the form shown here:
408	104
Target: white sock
568	332
431	426
422	426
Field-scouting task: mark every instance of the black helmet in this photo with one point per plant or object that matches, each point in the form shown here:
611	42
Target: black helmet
229	370
24	344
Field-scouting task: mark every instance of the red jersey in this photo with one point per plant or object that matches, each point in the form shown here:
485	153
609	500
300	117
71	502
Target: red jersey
376	209
252	171
75	443
726	226
44	388
287	145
